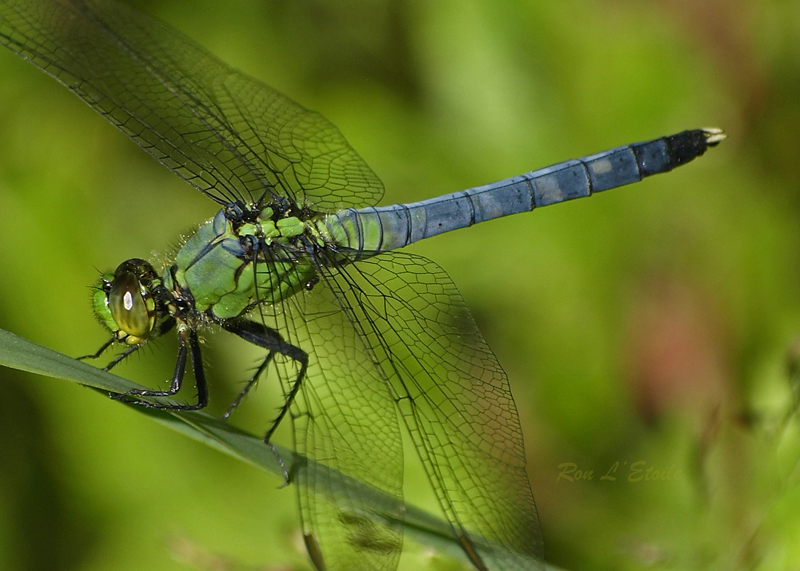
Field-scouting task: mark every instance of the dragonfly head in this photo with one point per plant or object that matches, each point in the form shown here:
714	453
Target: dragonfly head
125	301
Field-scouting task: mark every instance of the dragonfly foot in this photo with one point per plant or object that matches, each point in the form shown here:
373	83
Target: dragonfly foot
286	479
129	398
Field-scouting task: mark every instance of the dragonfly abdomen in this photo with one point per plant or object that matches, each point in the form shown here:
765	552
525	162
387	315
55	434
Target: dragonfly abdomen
378	229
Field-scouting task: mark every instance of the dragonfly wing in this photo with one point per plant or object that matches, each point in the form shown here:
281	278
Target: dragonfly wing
342	418
230	136
454	399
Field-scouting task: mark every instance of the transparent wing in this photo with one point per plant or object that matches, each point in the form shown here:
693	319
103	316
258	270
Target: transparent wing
396	337
230	136
344	419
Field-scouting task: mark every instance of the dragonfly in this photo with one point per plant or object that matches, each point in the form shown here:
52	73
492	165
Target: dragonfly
365	340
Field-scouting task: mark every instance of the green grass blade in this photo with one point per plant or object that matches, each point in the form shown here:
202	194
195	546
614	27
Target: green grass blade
19	353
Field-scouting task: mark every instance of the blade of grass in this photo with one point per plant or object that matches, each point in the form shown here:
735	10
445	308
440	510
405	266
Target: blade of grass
19	353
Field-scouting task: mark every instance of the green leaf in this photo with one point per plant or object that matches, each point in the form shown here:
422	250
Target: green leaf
19	353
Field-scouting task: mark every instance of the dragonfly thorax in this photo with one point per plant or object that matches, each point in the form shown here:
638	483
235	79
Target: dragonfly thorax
238	260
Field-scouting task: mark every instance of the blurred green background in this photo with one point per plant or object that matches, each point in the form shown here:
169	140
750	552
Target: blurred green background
651	324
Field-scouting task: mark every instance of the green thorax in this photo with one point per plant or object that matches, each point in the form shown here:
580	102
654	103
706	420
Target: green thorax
225	275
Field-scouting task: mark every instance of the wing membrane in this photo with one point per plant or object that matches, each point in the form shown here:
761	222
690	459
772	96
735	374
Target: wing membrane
342	418
230	136
453	397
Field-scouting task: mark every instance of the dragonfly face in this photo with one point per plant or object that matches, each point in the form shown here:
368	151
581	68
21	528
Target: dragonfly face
130	302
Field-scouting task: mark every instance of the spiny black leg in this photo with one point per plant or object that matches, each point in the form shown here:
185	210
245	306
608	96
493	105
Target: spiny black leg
162	329
290	397
199	373
248	386
99	352
114	361
165	327
185	339
274	450
175	384
261	335
118	359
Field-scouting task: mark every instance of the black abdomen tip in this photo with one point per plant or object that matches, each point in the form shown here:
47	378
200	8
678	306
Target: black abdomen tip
666	153
688	145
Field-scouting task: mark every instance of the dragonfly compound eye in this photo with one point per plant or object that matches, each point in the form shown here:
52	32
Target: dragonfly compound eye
131	306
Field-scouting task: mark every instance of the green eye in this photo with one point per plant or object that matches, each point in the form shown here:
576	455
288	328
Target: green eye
128	305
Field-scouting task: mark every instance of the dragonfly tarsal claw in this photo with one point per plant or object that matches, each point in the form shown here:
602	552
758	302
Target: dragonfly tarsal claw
128	396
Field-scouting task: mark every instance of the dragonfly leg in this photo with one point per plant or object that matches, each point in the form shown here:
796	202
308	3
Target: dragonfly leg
250	383
186	339
100	351
163	328
261	335
116	360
